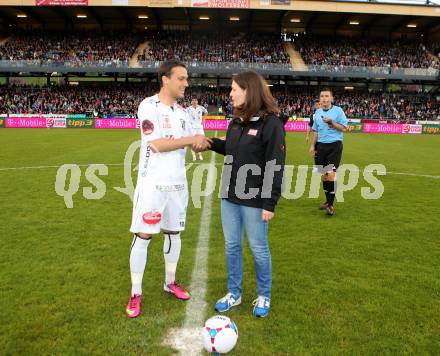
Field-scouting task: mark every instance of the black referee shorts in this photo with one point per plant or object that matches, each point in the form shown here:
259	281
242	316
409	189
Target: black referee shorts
316	153
329	154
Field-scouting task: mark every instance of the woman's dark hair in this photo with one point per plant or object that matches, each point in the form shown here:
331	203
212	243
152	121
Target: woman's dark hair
258	96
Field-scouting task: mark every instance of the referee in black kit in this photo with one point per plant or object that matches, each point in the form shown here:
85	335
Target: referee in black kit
328	132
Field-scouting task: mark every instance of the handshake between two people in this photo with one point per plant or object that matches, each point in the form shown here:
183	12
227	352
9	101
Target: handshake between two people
200	143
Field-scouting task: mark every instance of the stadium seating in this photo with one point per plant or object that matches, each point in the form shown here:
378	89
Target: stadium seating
366	105
192	47
79	47
108	99
340	51
124	99
82	48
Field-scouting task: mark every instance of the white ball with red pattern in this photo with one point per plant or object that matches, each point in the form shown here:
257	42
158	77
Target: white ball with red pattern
220	334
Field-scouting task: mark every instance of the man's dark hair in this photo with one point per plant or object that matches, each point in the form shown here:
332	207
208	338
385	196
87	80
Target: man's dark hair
166	68
326	89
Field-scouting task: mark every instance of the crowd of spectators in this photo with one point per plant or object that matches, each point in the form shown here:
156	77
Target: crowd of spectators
344	51
434	48
192	47
98	100
110	99
215	47
116	48
362	105
77	47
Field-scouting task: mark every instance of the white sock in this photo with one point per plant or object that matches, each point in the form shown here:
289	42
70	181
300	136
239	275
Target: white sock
200	156
171	254
194	155
138	260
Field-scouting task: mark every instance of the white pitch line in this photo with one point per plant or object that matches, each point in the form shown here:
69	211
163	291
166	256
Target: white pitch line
46	167
188	339
405	174
198	163
81	165
414	175
396	173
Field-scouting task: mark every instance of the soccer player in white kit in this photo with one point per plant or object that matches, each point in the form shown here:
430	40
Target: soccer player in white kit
196	113
161	196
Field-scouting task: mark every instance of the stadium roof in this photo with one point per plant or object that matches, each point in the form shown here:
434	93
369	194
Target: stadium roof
190	18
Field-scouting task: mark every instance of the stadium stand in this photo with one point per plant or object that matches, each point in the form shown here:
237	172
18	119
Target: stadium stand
108	99
116	98
219	47
364	105
77	47
340	51
81	48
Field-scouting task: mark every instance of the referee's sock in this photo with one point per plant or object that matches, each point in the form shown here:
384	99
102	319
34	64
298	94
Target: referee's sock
326	190
331	191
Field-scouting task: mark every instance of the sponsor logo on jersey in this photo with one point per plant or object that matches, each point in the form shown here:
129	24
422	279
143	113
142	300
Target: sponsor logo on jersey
152	217
170	188
147	127
166	122
147	158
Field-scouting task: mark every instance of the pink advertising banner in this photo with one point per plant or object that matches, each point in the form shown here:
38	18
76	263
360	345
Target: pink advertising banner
296	126
383	128
26	122
291	126
216	125
116	124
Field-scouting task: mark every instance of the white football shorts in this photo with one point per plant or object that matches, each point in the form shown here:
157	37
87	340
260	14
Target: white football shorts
159	207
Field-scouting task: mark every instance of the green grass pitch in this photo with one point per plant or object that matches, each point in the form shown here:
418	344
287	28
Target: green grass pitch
364	282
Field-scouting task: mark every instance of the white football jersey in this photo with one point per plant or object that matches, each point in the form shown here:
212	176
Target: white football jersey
158	120
195	115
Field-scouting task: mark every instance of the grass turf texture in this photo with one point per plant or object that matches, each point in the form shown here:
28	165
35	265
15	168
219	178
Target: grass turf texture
365	281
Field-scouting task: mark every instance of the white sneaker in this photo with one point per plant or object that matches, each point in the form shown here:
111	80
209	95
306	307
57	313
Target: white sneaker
227	302
261	306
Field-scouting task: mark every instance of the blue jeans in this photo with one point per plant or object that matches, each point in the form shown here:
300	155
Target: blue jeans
235	219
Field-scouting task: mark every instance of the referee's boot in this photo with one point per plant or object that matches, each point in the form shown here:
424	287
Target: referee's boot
330	210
